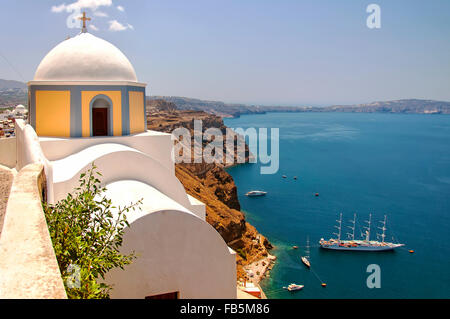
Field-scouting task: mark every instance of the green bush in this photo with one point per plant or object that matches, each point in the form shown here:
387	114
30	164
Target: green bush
241	252
86	236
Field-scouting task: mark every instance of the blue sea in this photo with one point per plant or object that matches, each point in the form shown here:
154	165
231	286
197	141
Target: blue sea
385	164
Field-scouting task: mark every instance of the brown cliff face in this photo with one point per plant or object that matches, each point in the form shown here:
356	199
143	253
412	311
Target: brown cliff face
212	185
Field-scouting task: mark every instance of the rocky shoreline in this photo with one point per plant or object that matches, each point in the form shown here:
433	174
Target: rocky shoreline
212	185
258	270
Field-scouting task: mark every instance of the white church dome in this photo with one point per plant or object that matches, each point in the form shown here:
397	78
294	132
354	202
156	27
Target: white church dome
85	57
20	109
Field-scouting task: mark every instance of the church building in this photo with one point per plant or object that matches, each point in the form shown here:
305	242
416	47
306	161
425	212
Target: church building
84	87
86	105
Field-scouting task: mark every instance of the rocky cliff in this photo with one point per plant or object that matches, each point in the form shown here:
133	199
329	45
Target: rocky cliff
212	185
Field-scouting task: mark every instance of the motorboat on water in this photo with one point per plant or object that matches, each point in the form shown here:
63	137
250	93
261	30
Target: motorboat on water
256	193
294	287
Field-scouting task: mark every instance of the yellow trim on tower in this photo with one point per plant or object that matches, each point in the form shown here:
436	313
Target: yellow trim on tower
85	115
53	113
137	120
116	97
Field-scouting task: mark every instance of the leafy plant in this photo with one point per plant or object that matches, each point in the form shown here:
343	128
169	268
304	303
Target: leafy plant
242	253
87	232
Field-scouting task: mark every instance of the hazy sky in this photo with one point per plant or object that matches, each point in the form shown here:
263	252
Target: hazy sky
313	52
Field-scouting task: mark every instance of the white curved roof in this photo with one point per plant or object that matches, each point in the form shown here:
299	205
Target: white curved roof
85	57
124	192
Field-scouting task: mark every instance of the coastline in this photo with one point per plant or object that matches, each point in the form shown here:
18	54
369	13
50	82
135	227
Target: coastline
260	269
255	273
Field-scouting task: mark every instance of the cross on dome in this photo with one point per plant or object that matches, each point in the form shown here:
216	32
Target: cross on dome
84	19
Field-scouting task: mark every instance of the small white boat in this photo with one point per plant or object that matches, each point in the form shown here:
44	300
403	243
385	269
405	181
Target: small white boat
306	261
294	287
256	193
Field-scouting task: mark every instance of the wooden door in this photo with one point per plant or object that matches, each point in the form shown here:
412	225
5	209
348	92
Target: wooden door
100	121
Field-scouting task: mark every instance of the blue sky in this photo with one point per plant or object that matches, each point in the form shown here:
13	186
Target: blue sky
311	52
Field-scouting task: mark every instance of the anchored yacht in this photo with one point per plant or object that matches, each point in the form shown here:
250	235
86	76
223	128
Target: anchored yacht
358	245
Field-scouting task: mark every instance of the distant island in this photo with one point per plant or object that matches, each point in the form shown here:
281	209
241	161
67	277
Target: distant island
12	93
15	92
413	106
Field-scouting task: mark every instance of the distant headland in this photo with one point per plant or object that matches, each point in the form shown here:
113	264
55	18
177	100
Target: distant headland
413	106
15	92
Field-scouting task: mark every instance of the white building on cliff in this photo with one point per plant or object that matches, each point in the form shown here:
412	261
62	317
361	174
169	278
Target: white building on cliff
86	105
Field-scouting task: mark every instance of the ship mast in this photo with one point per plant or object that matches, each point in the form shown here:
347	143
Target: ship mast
352	235
307	246
368	228
339	228
383	235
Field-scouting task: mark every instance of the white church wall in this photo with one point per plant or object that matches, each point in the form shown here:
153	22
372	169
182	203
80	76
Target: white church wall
124	192
197	207
155	144
177	252
28	150
117	162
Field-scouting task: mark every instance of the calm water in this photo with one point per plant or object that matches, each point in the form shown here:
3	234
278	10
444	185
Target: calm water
391	164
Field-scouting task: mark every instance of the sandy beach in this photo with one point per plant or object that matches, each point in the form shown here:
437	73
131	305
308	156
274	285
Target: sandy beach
257	270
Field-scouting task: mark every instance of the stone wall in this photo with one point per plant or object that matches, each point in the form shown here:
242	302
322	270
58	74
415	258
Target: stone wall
6	178
28	150
8	152
28	266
